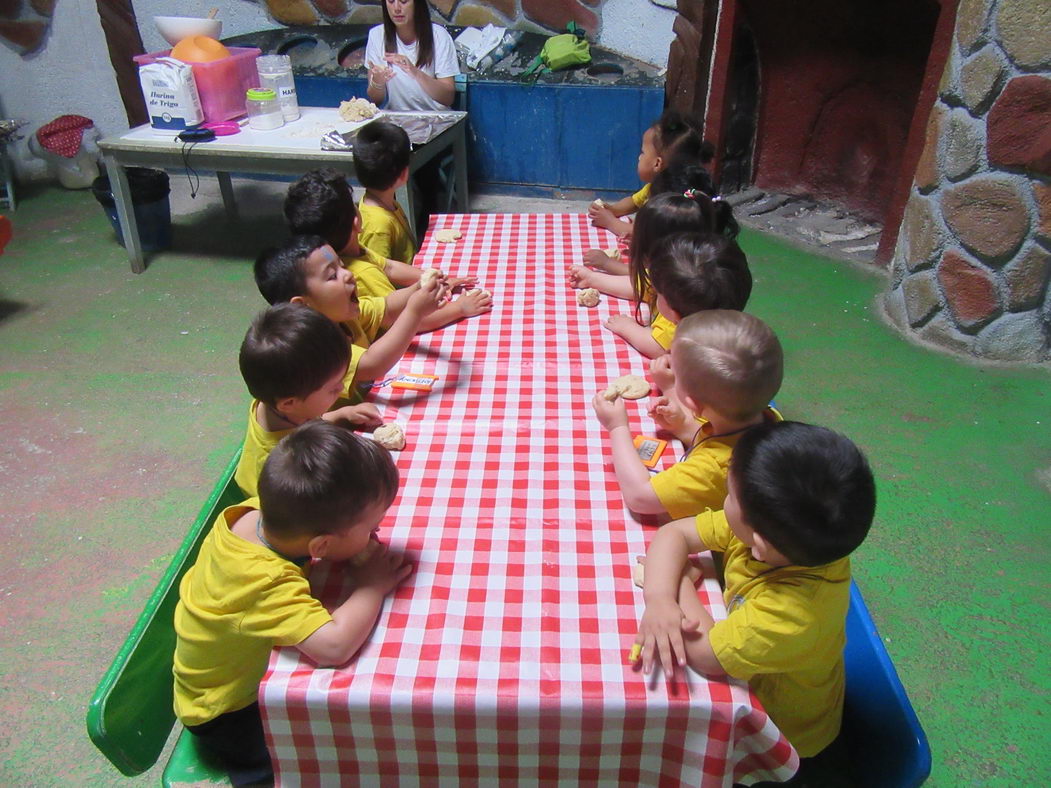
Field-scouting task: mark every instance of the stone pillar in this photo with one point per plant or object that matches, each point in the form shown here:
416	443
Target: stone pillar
971	267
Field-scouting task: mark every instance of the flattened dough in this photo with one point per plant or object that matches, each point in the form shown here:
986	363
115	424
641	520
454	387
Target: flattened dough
447	236
629	387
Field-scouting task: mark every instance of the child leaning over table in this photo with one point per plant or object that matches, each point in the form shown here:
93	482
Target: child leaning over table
306	270
293	360
727	367
322	494
322	203
800	500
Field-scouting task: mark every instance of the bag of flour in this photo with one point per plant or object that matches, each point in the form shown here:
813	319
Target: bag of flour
171	94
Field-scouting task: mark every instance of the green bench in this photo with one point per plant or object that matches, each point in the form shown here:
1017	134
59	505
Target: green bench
130	715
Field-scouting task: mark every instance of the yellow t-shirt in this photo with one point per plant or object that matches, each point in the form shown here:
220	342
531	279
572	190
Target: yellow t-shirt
368	270
236	603
784	634
662	330
360	334
257	447
386	233
698	481
641	196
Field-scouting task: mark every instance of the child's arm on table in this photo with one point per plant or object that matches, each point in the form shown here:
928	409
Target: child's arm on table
403	275
608	215
665	619
600	261
639	337
384	353
364	415
468	305
632	476
337	641
614	285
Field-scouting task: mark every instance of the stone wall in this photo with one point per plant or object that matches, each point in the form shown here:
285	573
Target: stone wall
23	25
538	15
971	268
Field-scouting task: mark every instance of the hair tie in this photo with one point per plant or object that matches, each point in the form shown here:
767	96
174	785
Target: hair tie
717	198
690	194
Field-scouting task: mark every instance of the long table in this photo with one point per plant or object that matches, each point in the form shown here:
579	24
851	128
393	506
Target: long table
503	658
290	150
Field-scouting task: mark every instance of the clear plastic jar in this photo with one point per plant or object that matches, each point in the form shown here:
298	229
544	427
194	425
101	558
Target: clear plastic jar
264	111
275	72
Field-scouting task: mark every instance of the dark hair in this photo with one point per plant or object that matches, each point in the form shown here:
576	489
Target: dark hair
421	22
291	350
805	489
279	272
381	153
695	271
322	203
689	177
320	477
659	217
678	134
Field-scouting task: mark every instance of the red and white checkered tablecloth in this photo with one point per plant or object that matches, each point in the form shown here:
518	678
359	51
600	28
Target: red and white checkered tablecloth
503	658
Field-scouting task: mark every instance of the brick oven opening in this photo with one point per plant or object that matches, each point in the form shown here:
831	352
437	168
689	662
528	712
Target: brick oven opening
821	102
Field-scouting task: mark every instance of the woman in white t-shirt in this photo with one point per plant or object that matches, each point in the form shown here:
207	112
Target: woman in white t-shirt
411	61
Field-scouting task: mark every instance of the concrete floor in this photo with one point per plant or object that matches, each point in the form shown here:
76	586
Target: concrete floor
121	403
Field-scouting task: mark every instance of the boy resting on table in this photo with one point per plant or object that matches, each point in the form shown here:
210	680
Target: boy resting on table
801	499
306	270
293	360
727	366
322	203
322	494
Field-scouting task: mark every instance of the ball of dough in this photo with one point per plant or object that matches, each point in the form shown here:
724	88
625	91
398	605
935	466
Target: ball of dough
632	386
598	203
447	236
588	297
357	109
613	254
479	290
390	436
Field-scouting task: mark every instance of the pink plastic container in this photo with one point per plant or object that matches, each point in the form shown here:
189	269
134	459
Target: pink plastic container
221	84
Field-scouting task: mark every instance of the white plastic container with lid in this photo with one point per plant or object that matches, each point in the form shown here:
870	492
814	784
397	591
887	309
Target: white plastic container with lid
275	72
264	111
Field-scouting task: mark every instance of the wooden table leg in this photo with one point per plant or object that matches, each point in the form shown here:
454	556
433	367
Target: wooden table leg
118	181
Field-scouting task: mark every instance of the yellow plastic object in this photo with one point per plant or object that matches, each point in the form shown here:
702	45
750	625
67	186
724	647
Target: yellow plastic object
199	49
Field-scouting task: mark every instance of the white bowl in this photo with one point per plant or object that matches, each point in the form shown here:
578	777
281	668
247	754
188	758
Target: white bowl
176	28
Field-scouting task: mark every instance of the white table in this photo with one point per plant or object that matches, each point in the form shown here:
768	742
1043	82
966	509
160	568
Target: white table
290	150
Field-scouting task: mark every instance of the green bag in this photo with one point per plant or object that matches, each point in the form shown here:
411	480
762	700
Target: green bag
562	51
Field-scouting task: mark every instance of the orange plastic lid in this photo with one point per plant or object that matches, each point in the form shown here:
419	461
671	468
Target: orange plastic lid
199	49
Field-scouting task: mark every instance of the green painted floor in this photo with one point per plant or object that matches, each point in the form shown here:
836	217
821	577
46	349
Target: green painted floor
121	402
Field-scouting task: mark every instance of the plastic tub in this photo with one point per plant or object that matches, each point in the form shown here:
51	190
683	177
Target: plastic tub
221	84
149	198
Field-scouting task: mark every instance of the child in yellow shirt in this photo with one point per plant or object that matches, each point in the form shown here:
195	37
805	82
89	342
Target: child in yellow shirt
293	360
800	500
306	270
381	162
674	135
321	202
322	495
727	367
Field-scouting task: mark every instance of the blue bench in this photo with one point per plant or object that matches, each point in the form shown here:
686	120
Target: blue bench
887	746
